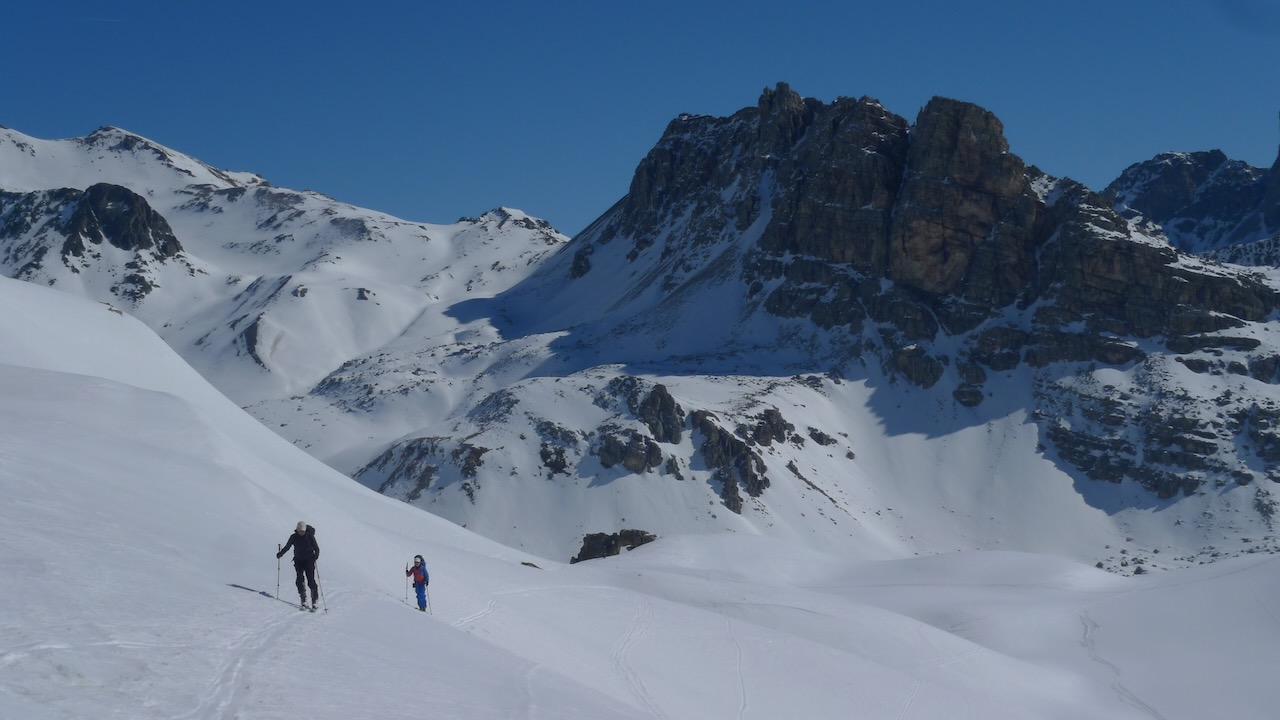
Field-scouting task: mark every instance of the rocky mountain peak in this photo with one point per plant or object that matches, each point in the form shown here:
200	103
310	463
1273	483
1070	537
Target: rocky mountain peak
1167	183
1271	197
965	144
784	118
1203	201
931	251
966	201
119	140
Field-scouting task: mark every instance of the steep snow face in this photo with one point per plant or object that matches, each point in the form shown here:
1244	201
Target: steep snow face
142	509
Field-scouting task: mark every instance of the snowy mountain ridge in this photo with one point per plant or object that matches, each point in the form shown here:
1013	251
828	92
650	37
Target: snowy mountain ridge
772	334
245	257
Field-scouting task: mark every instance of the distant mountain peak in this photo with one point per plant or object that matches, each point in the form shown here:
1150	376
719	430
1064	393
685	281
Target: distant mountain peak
1202	201
118	140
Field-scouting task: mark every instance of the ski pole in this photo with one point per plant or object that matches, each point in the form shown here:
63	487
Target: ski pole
406	583
320	587
277	571
430	608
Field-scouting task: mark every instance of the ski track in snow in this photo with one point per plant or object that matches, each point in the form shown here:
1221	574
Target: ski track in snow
492	606
638	629
1125	694
742	683
525	703
1090	628
963	656
19	654
474	617
225	694
1261	601
911	697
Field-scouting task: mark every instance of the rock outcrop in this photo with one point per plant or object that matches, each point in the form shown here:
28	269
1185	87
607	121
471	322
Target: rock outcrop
76	226
601	545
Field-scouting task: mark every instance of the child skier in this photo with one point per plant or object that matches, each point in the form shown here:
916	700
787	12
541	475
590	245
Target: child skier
420	580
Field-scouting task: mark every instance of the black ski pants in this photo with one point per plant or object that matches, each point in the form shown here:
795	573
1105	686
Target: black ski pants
307	573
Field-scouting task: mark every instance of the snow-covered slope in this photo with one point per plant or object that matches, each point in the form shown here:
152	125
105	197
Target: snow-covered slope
140	512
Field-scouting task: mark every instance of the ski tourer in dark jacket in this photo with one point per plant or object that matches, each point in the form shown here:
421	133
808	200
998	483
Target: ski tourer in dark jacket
306	551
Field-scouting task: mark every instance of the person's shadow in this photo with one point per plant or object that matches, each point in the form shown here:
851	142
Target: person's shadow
263	593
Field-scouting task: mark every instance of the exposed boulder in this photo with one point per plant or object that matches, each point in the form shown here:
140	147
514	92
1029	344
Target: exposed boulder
601	545
469	458
557	441
628	448
770	427
662	415
651	404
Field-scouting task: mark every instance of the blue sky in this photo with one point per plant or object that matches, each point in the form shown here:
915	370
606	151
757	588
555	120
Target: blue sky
432	110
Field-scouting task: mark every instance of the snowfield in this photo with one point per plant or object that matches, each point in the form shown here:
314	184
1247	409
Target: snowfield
140	511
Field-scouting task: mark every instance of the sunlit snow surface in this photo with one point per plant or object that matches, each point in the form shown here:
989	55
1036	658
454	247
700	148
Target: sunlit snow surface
140	513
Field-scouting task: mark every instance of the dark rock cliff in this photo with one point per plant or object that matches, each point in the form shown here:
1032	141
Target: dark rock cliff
942	257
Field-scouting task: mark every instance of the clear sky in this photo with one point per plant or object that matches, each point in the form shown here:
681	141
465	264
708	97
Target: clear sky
431	109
